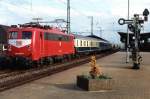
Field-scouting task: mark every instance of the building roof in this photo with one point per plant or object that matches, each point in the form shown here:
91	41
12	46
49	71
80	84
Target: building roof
123	36
146	34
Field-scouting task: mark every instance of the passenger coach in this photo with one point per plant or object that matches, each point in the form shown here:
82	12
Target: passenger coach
87	44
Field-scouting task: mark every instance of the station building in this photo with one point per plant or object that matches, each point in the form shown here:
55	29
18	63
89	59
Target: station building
144	40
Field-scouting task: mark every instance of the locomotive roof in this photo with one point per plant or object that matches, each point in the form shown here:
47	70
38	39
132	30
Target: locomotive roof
37	26
50	30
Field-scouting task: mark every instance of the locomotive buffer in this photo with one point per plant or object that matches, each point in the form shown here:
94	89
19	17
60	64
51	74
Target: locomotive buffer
135	25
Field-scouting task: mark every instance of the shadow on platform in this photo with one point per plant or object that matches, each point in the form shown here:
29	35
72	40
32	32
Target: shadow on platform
118	66
70	87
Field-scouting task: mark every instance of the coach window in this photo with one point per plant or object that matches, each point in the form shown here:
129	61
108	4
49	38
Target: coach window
84	43
87	43
60	37
13	35
65	38
77	42
54	37
81	43
96	43
26	35
68	38
45	36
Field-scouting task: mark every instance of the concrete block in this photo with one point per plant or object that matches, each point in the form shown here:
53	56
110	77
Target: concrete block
97	84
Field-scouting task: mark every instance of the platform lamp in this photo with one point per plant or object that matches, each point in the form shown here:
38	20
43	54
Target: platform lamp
127	53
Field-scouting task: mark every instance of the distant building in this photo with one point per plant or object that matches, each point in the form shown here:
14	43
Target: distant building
3	35
144	40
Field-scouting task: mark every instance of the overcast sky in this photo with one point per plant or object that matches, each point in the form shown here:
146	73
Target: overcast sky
105	12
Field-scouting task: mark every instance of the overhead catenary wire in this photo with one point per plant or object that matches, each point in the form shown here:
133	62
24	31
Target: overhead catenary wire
33	13
79	12
28	9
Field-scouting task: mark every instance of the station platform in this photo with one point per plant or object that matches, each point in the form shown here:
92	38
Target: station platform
129	83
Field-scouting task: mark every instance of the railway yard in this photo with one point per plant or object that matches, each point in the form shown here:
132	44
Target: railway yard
129	83
13	76
72	49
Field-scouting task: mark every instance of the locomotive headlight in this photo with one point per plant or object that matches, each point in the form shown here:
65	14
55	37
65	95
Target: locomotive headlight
9	48
29	47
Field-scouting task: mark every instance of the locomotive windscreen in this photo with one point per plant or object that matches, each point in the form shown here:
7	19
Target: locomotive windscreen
13	35
26	35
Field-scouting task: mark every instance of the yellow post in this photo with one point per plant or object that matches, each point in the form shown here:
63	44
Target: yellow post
95	71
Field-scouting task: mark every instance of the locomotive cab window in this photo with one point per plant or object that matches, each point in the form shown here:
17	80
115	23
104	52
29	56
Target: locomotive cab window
13	35
26	35
56	37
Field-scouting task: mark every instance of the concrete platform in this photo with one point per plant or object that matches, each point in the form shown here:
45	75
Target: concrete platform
130	84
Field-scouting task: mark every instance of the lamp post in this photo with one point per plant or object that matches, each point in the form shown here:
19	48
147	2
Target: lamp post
68	16
91	17
127	53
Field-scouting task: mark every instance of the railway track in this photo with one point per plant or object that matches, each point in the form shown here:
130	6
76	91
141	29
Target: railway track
12	79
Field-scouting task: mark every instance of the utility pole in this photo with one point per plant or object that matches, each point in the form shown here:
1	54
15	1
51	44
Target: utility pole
127	53
91	24
68	16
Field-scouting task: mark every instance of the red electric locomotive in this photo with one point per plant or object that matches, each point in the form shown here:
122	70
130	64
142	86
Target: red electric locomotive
35	43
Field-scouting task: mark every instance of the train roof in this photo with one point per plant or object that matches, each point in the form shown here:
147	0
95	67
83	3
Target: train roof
36	26
81	36
99	38
89	37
